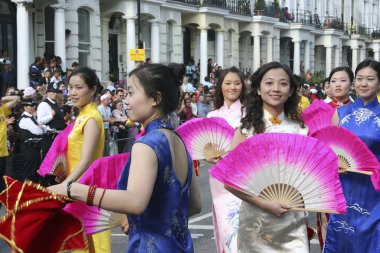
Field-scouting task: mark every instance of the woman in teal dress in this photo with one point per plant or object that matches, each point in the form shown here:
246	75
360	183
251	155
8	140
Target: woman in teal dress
359	229
156	188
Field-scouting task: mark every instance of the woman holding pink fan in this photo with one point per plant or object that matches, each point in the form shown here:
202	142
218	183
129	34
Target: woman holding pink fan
271	106
156	186
229	94
359	229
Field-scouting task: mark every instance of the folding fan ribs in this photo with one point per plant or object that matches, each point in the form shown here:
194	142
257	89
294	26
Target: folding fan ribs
292	169
353	153
318	115
95	219
206	137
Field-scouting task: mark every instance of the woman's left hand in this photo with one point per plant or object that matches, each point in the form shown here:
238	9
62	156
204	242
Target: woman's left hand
59	189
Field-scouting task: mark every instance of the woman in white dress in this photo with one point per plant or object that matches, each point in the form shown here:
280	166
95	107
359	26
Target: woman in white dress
229	95
271	106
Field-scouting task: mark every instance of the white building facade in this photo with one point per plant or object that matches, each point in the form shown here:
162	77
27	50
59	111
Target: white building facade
319	36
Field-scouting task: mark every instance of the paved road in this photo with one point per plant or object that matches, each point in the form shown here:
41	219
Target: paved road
200	225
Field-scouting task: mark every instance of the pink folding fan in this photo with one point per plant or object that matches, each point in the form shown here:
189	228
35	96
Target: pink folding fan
206	137
293	169
353	153
55	160
95	219
317	116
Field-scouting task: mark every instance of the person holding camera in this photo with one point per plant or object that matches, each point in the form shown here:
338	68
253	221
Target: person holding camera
30	137
50	114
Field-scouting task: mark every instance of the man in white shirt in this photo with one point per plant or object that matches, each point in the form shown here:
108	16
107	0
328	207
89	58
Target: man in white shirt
105	111
50	114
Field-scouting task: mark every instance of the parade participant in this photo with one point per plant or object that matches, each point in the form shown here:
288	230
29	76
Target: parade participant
271	106
30	138
228	105
49	113
7	103
86	140
340	80
156	187
358	230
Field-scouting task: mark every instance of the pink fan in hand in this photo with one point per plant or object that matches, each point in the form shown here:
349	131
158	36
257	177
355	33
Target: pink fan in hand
105	171
353	153
293	169
317	116
206	137
95	219
55	160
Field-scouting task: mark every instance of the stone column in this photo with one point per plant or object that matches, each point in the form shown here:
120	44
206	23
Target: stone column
155	41
362	54
354	58
131	41
296	57
307	56
377	54
328	59
337	56
31	36
105	49
256	52
197	50
269	49
22	45
277	48
59	33
220	48
203	53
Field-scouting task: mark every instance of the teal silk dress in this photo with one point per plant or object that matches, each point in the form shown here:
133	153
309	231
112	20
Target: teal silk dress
163	226
359	229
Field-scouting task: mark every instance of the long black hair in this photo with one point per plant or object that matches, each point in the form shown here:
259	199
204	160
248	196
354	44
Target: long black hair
254	104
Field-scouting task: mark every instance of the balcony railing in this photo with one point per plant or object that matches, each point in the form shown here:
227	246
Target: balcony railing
242	7
215	3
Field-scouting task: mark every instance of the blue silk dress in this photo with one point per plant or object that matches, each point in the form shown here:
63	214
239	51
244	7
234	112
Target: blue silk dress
163	226
358	231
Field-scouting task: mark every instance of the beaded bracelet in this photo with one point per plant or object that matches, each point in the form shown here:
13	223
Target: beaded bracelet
101	198
69	188
91	194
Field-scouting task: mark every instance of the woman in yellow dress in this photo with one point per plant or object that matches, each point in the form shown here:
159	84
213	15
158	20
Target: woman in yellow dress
86	140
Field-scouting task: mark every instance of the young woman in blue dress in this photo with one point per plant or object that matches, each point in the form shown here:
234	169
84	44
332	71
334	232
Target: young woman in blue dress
359	229
156	187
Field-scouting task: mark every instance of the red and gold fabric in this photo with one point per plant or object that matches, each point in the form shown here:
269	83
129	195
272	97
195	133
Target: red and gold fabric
35	222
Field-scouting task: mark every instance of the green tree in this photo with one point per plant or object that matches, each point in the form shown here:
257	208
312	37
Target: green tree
259	5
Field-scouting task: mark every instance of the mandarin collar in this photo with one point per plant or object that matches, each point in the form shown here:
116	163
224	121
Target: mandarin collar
359	103
268	115
157	124
89	107
235	105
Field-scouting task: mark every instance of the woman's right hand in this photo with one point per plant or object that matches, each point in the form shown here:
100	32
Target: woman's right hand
342	171
213	159
125	226
276	208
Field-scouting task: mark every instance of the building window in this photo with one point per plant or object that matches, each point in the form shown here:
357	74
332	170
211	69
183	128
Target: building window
49	32
84	36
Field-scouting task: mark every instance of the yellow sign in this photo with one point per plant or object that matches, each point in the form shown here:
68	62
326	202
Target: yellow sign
137	54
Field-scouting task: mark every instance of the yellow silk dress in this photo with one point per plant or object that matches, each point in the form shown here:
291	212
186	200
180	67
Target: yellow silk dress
102	241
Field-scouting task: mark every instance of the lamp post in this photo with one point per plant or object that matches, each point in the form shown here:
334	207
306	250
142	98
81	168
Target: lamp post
140	44
298	5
